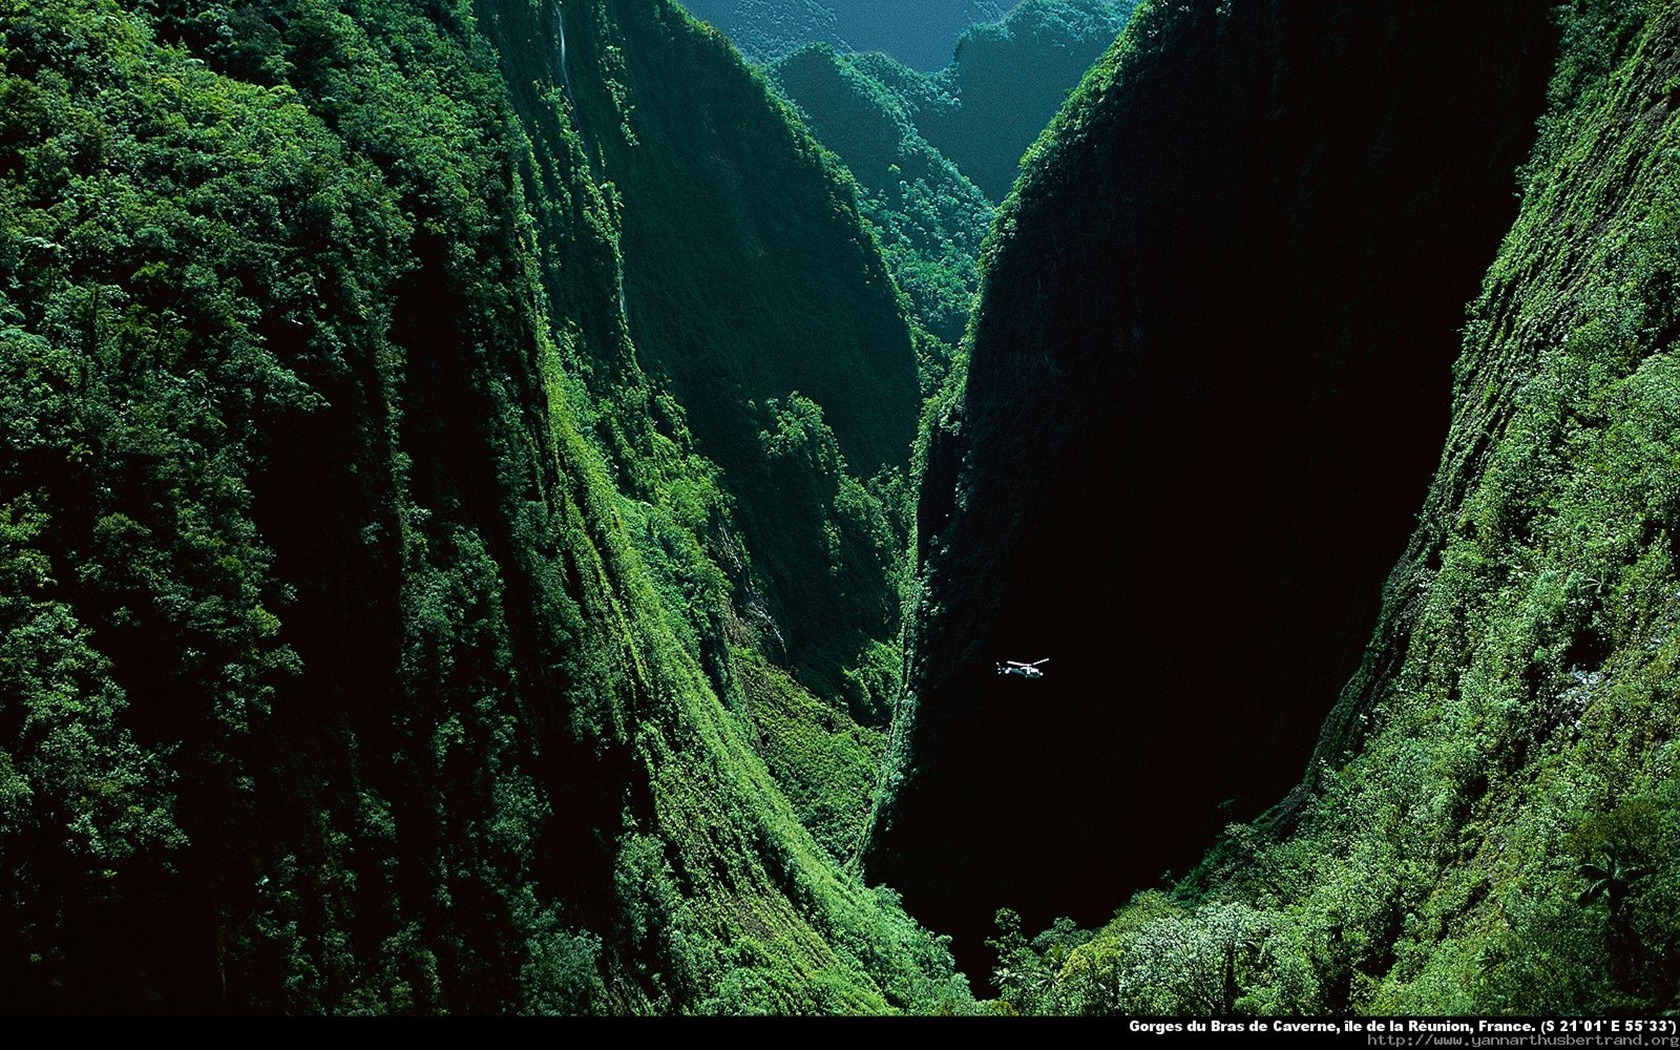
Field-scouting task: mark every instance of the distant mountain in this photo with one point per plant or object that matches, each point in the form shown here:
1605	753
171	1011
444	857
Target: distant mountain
918	33
1005	82
932	202
978	79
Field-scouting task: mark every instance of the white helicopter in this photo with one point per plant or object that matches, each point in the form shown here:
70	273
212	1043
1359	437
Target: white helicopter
1021	670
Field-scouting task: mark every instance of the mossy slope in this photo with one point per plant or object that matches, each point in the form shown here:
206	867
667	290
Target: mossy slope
748	278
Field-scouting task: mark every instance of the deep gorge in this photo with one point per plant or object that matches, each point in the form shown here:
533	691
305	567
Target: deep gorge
508	507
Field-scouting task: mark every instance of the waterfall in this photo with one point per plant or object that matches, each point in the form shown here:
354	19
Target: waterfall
557	11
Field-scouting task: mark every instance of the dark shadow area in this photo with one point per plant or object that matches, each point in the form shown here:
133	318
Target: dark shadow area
1209	384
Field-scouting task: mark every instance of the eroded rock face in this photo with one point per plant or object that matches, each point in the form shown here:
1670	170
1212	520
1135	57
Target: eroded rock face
1208	383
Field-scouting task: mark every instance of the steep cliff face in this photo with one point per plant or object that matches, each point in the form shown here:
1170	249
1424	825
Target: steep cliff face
1521	685
1490	822
748	278
1208	379
374	628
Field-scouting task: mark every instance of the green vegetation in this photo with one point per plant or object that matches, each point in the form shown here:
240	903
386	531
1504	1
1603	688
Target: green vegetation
1492	820
930	219
456	512
1005	83
747	278
373	618
918	34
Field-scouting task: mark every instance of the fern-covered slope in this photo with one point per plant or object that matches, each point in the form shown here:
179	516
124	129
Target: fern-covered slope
748	278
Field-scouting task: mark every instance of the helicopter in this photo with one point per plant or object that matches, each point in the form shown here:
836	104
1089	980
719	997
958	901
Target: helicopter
1021	670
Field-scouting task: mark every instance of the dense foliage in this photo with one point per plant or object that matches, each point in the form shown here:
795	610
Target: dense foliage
376	633
1490	821
455	499
747	277
930	218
